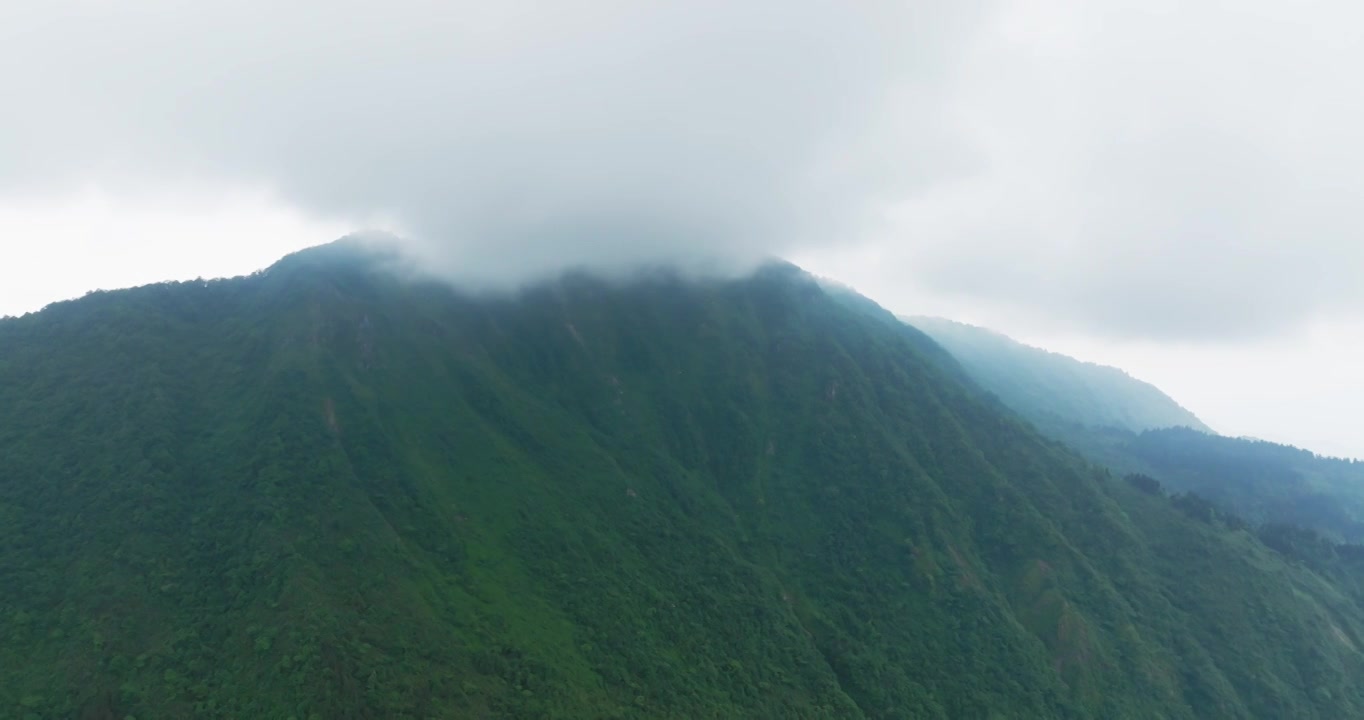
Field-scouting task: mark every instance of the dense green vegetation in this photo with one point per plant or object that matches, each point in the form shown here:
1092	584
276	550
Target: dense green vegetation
1263	482
321	492
1051	389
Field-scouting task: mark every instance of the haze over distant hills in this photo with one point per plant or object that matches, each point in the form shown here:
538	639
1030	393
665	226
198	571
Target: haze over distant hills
324	492
1050	388
1133	427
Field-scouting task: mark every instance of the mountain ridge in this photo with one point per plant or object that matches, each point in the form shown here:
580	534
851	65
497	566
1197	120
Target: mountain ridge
325	491
1048	387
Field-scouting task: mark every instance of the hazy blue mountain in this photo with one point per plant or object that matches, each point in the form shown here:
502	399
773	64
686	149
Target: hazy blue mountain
323	492
1049	388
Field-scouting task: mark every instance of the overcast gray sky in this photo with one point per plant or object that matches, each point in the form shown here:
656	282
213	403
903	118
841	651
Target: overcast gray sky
1164	186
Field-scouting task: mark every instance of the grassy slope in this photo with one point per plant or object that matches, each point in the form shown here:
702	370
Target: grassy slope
322	493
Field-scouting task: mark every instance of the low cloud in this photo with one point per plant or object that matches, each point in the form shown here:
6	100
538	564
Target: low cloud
509	140
1156	169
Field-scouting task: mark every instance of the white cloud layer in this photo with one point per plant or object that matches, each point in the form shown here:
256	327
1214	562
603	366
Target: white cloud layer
1143	174
1160	168
515	138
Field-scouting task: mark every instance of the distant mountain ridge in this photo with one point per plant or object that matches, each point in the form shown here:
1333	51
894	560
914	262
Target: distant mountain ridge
1050	388
1132	427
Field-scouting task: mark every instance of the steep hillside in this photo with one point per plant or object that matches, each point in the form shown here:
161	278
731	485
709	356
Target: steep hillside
320	492
1050	389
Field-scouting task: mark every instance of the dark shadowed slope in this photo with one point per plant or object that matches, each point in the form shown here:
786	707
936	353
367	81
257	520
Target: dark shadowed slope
1050	388
319	492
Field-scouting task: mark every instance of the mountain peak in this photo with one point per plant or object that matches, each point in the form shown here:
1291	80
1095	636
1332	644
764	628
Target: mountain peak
355	249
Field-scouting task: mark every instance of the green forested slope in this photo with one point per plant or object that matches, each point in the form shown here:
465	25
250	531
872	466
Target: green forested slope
322	492
1263	482
1050	389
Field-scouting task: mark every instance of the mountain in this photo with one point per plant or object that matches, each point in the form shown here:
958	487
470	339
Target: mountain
325	492
1261	481
1133	427
1050	389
